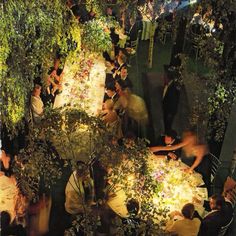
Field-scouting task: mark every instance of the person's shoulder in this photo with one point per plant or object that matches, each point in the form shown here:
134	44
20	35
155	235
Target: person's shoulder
196	221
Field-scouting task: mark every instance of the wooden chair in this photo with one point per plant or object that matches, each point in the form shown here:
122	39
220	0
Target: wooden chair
193	37
233	164
215	164
133	48
223	229
231	196
168	32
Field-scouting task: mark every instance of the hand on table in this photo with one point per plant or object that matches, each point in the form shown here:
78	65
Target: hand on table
188	170
196	200
172	155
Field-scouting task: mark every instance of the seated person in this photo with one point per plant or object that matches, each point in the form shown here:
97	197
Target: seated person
54	81
118	64
133	219
124	76
37	106
220	215
111	93
111	119
186	224
10	229
197	17
79	190
169	139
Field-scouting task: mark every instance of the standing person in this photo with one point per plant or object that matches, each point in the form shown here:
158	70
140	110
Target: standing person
196	155
170	98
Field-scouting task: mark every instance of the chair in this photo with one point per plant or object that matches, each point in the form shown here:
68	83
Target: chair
231	196
233	164
168	32
194	37
215	164
133	48
223	229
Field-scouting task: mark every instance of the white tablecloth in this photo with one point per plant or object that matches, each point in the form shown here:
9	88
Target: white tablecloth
8	195
177	189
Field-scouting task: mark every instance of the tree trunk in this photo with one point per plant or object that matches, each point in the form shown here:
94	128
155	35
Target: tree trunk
151	44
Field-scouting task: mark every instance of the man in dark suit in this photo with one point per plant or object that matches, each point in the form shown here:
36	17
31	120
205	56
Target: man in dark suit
170	98
169	139
220	215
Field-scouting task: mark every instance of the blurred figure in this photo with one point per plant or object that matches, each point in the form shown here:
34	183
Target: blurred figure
170	98
5	161
6	228
197	155
39	214
112	120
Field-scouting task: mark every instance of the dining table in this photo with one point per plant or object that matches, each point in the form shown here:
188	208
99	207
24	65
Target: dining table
177	188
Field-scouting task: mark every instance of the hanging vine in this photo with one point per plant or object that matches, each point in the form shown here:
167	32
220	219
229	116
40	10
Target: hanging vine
31	34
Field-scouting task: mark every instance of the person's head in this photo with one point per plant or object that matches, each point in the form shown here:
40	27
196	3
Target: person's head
123	72
199	9
108	104
112	30
188	210
5	219
109	11
122	59
120	85
37	90
110	89
190	136
82	170
170	136
2	154
132	207
121	52
216	202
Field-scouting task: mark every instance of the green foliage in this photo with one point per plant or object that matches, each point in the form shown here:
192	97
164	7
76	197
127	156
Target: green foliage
96	36
35	166
31	34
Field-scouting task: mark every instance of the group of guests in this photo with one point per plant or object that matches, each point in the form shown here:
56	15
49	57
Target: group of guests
204	21
121	106
12	218
194	153
41	95
219	212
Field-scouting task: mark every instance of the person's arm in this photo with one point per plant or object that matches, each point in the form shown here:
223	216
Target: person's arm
168	148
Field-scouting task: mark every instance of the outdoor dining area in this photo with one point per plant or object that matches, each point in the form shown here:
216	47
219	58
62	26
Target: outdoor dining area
117	117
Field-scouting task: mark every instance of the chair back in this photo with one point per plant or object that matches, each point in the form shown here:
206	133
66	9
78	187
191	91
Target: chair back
134	44
233	164
231	196
224	229
215	164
